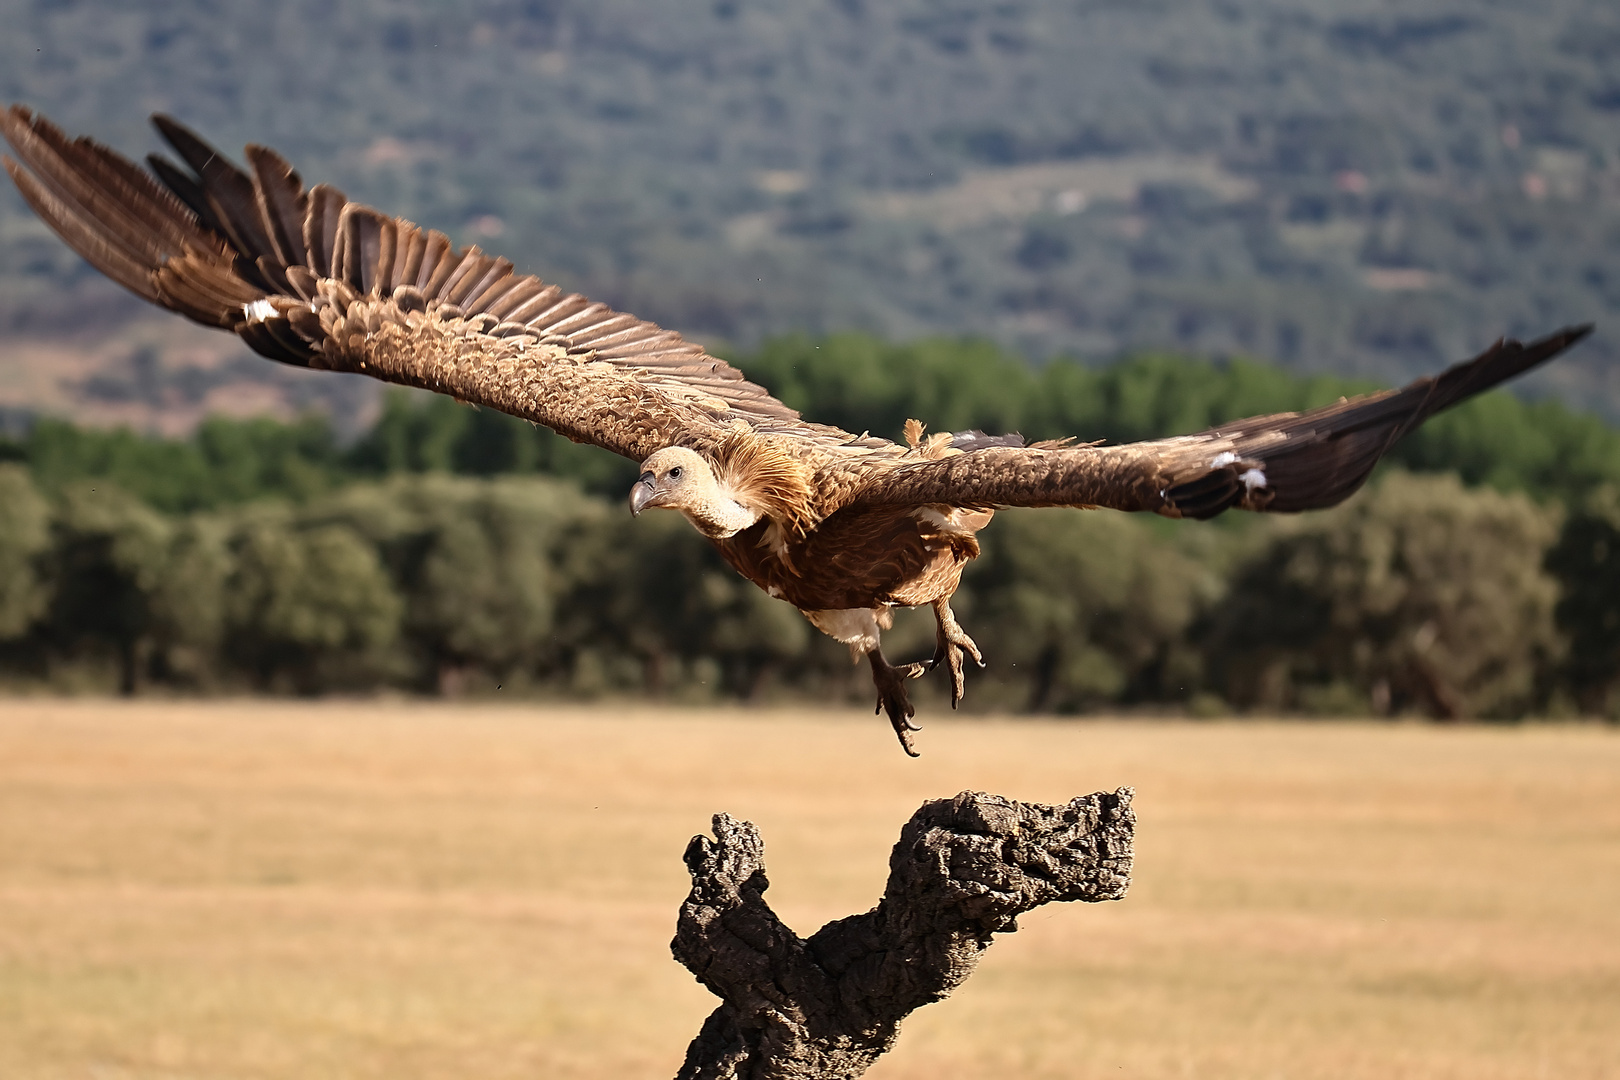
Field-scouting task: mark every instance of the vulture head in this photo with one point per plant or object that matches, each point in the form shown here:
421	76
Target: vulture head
676	478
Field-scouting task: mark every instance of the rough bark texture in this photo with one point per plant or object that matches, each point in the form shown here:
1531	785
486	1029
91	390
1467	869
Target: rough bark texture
964	869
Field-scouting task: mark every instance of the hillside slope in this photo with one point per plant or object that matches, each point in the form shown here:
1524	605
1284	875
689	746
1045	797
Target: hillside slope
1368	187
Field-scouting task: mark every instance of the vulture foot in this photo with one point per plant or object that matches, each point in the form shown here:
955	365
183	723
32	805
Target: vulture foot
952	642
891	687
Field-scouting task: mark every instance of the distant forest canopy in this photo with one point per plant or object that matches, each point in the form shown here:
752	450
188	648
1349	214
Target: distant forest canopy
1361	187
852	380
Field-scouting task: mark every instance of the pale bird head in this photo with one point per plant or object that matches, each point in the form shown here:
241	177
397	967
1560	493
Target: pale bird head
674	478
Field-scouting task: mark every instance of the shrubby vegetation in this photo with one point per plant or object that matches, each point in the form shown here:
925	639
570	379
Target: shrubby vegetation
1586	561
455	551
1420	595
1083	609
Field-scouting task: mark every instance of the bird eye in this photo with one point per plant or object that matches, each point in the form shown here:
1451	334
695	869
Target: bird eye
675	473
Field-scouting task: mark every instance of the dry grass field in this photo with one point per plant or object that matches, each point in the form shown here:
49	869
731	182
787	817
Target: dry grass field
388	890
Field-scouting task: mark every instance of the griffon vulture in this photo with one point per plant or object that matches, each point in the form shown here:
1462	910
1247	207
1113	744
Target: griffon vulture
844	527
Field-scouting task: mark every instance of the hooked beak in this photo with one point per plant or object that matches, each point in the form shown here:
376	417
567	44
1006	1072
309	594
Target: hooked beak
641	494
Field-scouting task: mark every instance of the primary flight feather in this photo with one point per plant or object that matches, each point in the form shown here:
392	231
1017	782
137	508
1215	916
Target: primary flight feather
844	527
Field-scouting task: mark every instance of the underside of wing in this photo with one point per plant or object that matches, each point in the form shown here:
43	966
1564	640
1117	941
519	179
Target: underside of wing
1278	463
306	277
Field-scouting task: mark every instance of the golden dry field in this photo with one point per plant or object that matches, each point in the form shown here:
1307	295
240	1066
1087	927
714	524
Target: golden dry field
396	890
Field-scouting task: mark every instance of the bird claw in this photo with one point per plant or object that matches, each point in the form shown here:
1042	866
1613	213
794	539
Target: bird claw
951	642
890	680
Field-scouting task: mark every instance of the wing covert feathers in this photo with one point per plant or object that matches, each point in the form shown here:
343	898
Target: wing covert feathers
307	277
1279	463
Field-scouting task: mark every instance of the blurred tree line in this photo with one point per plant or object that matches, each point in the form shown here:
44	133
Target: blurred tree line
452	550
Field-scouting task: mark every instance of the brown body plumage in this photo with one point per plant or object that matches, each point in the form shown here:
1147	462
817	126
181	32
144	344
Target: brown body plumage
844	527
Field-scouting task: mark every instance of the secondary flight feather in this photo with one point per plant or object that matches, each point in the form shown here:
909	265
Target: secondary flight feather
845	527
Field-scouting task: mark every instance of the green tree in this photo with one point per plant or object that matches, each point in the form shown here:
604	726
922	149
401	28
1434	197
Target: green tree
309	608
656	594
1541	448
1418	594
1586	561
188	604
421	432
107	560
480	564
224	462
24	538
755	639
254	458
1075	608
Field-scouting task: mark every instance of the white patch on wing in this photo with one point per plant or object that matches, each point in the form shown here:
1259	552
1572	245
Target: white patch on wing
1252	479
259	311
1223	459
856	627
774	593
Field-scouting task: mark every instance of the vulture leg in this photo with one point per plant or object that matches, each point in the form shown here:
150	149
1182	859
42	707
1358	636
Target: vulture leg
952	643
892	699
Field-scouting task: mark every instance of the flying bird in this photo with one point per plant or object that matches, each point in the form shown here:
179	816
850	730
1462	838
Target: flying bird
844	527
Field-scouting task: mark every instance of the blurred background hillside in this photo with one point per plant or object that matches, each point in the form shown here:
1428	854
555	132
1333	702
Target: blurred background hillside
1147	217
1361	186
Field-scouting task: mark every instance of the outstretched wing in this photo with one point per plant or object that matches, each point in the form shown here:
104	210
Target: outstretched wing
308	278
1284	462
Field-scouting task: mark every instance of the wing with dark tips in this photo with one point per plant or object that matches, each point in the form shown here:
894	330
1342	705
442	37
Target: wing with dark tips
1282	462
252	251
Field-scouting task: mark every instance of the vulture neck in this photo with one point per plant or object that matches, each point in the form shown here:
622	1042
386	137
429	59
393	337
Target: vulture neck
719	516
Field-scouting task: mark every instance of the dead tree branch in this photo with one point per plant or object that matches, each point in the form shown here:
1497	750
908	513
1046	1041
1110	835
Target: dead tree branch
963	870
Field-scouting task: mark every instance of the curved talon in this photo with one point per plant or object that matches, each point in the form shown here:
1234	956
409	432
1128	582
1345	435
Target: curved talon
892	698
951	641
905	742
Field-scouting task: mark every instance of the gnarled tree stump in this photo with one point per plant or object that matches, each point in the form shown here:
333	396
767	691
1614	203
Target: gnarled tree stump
963	870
